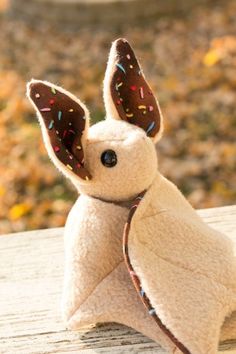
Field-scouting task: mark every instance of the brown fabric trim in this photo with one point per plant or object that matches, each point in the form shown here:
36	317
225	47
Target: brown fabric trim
131	94
65	122
123	204
136	281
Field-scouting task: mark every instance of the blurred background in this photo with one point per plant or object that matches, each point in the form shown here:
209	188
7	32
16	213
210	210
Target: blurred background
188	52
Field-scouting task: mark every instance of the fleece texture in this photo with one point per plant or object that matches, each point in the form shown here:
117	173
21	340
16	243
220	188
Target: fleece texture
136	252
186	268
136	157
97	287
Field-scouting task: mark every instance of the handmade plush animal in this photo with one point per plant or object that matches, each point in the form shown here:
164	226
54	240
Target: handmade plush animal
175	279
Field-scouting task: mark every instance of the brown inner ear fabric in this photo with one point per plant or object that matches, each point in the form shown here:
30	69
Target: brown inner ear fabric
65	122
132	96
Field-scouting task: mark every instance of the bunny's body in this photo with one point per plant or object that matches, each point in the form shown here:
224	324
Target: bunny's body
99	289
132	237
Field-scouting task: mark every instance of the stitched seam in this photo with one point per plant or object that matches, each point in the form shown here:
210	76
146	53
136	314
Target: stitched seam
154	214
179	264
185	268
102	141
92	291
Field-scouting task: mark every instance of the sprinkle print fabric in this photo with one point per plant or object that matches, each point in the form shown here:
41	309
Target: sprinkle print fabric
65	122
132	96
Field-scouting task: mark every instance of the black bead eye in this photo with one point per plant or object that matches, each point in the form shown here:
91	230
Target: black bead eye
109	158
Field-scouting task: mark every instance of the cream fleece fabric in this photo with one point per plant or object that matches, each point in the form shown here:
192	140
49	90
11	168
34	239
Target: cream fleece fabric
132	174
196	256
186	268
97	287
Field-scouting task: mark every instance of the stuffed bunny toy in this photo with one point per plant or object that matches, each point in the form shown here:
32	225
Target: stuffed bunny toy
136	252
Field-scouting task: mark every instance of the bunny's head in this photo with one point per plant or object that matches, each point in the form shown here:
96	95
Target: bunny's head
116	158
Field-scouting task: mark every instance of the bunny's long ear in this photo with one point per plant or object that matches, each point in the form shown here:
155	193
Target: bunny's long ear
64	121
127	95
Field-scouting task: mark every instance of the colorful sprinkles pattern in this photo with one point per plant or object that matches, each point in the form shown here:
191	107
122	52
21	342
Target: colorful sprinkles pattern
65	121
136	281
130	92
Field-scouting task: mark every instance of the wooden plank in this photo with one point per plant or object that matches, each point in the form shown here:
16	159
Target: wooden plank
31	271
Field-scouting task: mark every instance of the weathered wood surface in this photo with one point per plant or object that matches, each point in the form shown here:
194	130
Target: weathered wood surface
31	270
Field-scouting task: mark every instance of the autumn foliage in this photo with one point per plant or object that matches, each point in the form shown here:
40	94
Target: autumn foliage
191	64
